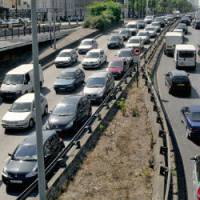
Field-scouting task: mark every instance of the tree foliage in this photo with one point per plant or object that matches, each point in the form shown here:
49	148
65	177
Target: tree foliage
101	15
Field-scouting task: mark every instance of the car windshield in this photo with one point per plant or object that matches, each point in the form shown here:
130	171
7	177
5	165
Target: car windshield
21	107
131	26
180	79
86	42
68	75
126	53
150	29
12	79
64	54
117	63
114	38
123	31
64	109
25	152
142	33
186	54
134	41
96	82
195	116
92	55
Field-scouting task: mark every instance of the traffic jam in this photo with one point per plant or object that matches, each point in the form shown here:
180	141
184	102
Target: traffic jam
85	77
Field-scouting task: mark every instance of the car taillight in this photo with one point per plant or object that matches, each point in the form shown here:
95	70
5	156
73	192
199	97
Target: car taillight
198	194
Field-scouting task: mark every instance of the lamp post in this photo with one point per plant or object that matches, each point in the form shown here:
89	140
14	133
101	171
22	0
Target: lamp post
39	137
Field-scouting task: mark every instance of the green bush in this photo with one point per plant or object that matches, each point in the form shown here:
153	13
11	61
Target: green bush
101	15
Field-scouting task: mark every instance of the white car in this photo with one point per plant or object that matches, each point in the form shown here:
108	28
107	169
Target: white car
151	31
157	26
132	27
135	42
86	45
145	36
66	57
21	115
94	59
148	19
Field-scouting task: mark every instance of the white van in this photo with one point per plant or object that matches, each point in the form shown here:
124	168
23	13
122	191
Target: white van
19	81
185	56
171	40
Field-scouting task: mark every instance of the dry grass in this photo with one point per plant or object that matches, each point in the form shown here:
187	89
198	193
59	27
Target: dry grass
118	167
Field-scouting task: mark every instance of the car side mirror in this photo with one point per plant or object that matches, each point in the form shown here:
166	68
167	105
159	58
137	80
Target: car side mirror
167	74
193	158
10	155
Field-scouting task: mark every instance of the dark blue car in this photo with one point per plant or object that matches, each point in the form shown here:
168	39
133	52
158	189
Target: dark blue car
191	118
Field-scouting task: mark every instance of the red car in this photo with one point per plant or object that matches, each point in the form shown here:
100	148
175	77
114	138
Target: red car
117	67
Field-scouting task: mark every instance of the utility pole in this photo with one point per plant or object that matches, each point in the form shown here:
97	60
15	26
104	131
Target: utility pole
39	136
147	7
54	24
16	7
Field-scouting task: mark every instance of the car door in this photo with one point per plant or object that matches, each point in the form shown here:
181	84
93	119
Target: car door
28	87
80	111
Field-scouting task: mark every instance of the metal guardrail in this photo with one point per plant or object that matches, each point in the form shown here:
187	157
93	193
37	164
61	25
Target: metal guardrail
112	96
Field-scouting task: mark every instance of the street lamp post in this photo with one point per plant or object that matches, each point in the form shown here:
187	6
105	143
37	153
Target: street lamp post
147	7
39	137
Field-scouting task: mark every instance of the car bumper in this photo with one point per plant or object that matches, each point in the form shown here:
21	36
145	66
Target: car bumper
64	88
63	64
9	95
17	181
90	66
15	126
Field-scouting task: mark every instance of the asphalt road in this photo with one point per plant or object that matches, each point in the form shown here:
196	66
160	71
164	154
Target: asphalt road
173	106
9	141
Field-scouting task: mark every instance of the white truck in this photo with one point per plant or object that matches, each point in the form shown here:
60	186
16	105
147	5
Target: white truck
185	56
19	81
171	40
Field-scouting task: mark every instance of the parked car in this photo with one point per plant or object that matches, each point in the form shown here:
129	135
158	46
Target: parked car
148	19
185	20
94	59
125	33
141	24
191	120
22	168
98	86
196	24
133	27
135	42
178	82
183	27
66	57
117	67
86	45
196	176
116	41
69	80
127	55
145	36
152	31
70	113
21	115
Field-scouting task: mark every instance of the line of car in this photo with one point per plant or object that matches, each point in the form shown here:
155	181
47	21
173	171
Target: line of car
70	113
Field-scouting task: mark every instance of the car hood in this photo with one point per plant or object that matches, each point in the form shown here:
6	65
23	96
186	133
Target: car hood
93	90
88	60
16	116
132	45
11	87
115	69
62	59
143	37
64	82
20	166
85	47
60	120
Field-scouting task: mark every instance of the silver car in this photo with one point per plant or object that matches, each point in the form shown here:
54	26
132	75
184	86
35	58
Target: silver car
145	36
98	86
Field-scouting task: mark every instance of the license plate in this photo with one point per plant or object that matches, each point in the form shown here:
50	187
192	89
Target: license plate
15	181
180	85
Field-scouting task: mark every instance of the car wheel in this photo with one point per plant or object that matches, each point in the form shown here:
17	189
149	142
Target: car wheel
45	110
31	123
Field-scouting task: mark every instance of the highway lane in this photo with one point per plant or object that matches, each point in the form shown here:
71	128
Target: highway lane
173	106
8	142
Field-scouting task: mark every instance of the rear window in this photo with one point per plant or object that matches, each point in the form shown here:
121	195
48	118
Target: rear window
180	79
186	54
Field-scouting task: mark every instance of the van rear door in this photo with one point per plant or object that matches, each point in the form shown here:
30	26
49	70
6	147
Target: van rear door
186	58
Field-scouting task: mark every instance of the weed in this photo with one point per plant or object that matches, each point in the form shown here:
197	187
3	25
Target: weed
122	105
135	112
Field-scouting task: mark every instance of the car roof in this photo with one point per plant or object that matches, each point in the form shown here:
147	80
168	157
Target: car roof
71	69
87	39
29	97
174	34
185	47
179	73
99	74
143	31
125	49
132	22
135	37
117	59
22	69
96	50
74	99
31	140
67	50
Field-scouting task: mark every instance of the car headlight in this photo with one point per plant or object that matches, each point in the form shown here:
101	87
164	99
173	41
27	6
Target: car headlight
70	124
4	172
100	94
32	173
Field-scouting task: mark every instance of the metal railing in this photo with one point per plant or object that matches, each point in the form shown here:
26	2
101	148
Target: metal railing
113	97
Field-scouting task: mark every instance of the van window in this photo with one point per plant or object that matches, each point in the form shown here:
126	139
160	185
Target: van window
186	54
13	79
27	78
